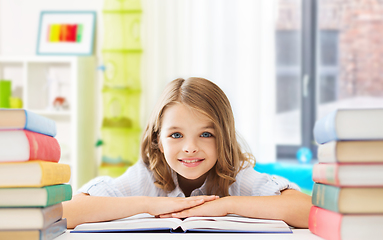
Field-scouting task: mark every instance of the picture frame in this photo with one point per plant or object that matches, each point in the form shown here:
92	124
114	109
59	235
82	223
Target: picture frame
66	33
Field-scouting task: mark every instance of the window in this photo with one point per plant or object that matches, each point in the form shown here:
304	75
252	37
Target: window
328	66
350	50
329	55
288	71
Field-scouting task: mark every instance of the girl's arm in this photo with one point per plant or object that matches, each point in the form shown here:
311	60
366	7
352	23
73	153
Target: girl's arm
291	206
84	208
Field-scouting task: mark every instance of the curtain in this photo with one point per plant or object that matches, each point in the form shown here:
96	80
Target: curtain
230	42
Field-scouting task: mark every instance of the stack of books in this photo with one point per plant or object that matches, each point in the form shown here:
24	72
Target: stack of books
348	190
31	179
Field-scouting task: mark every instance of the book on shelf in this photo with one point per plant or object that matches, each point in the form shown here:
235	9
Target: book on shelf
149	223
351	152
350	200
29	218
25	119
48	233
5	93
335	226
24	145
356	175
35	197
33	174
350	124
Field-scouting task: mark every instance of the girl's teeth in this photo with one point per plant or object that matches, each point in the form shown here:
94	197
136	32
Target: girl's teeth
190	161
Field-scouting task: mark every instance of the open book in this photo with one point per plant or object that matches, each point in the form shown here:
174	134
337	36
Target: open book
148	223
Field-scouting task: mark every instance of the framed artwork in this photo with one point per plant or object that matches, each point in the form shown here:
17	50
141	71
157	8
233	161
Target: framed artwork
66	33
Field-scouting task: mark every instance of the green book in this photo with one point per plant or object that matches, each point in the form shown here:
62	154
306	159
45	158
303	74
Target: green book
348	200
79	33
35	197
5	93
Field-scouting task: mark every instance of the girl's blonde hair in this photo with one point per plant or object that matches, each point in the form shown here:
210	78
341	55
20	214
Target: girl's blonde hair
207	98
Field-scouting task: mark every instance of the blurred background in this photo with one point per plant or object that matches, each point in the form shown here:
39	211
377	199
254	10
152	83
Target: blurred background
282	63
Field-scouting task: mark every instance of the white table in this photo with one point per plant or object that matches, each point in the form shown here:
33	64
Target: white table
298	234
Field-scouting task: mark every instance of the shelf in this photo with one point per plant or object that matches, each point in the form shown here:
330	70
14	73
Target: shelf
42	82
52	113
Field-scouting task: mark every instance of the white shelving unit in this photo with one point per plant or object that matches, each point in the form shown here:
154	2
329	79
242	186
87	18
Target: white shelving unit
38	80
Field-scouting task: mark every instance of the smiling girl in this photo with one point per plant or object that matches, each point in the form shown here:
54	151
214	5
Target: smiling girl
191	165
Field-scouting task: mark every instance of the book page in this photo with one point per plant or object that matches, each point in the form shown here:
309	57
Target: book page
231	217
139	221
235	223
12	119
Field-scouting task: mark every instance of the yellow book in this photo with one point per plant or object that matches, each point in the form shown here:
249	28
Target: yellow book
54	34
33	174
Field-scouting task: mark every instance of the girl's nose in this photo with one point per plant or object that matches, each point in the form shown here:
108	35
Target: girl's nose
190	147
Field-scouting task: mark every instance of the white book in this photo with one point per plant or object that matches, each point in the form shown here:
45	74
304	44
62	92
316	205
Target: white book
29	218
147	222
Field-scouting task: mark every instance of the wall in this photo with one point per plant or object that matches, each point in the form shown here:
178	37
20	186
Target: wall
19	20
229	42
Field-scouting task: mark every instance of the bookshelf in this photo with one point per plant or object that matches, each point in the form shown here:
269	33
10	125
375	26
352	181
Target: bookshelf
38	81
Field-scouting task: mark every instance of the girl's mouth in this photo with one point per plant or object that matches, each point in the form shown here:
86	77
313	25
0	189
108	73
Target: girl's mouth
191	162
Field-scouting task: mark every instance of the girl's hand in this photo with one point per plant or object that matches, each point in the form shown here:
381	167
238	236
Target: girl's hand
218	207
165	206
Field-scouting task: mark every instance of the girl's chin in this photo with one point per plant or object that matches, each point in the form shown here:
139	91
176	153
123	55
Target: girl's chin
192	177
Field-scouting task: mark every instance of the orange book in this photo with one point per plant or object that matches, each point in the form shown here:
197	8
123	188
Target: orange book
33	174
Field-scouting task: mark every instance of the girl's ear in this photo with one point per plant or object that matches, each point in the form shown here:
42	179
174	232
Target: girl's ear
160	147
159	144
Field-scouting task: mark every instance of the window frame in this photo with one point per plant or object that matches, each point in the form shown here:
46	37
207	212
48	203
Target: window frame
308	81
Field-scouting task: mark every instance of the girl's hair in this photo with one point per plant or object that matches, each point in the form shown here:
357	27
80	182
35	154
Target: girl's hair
207	98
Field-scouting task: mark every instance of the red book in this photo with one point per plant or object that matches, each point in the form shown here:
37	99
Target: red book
24	145
72	28
335	226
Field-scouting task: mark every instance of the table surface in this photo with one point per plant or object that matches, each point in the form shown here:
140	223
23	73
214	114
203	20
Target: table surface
298	234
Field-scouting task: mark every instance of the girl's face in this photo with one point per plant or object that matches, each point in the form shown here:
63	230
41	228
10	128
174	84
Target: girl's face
188	141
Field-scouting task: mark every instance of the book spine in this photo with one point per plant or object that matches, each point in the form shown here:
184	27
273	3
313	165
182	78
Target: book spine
324	129
326	173
5	93
54	173
326	196
54	230
325	224
43	147
39	124
51	214
58	193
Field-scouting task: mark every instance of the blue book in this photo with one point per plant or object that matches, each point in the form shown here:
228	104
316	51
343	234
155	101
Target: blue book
24	119
350	124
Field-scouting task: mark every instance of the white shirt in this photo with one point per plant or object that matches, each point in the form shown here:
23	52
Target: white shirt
139	181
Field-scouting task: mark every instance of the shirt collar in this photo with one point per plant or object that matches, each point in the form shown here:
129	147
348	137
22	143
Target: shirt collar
177	192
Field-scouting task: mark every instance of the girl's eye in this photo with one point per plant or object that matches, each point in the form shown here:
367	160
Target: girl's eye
206	135
176	135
